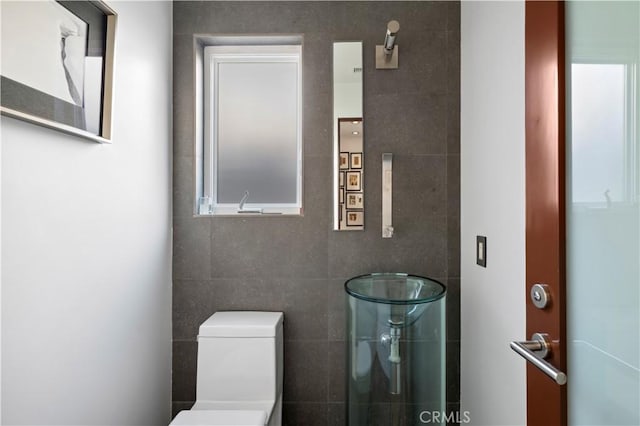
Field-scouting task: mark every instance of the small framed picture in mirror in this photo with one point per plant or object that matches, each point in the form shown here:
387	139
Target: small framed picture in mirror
356	160
353	181
355	200
355	218
344	160
341	180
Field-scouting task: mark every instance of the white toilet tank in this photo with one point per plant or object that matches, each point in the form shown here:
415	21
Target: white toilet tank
240	357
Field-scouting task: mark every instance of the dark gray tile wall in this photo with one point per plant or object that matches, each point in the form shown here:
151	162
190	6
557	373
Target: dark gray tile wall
298	265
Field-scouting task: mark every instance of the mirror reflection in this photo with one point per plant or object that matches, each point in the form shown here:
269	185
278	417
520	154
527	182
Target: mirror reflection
348	136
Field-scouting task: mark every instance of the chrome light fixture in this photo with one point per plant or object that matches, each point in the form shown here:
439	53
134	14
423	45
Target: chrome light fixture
387	54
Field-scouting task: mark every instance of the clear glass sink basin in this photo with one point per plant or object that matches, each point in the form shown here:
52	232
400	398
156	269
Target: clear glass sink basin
396	346
395	288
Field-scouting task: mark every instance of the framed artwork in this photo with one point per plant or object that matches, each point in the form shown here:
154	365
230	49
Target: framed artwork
344	161
353	181
57	65
349	154
355	200
356	160
355	218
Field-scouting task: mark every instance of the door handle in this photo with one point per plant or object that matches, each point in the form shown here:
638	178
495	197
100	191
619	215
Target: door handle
535	351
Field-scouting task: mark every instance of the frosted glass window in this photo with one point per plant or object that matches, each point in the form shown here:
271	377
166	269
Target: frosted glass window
254	128
599	136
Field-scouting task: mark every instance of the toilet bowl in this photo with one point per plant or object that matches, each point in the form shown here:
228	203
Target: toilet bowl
239	376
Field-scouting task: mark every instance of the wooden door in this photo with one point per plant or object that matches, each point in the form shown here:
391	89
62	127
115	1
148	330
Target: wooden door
545	201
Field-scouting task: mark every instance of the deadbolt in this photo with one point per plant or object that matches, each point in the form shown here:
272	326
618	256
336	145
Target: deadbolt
540	295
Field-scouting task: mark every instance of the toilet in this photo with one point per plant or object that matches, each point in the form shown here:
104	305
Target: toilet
239	378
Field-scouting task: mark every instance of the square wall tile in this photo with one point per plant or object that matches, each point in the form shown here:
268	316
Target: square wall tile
453	185
406	124
453	309
183	96
184	364
336	414
305	373
419	194
453	246
453	15
453	371
191	248
337	371
193	302
336	301
257	17
183	188
281	247
304	413
453	124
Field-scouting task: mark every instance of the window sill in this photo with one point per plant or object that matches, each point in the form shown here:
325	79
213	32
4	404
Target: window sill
233	212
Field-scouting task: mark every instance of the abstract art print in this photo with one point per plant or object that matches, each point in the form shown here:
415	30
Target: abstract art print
57	65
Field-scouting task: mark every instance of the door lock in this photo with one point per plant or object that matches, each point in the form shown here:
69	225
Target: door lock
540	295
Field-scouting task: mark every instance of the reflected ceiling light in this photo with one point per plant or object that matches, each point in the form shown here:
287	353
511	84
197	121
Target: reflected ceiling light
387	54
355	132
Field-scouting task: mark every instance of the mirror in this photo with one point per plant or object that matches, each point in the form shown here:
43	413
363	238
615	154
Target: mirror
348	138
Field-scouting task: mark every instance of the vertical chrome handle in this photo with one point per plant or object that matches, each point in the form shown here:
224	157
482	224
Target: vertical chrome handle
387	178
535	351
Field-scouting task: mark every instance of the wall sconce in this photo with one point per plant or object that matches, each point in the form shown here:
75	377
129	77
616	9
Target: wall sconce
387	54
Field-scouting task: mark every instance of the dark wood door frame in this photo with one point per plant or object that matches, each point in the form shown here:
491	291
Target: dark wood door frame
545	200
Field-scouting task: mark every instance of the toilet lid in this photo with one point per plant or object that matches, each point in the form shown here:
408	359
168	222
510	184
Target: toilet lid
220	418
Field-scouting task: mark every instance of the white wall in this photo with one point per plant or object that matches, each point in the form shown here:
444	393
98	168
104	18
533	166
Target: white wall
492	190
86	237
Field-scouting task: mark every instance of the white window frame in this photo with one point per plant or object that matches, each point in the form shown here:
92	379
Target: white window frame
630	60
212	57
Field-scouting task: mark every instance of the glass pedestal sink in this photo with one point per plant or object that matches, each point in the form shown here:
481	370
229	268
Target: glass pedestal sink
396	342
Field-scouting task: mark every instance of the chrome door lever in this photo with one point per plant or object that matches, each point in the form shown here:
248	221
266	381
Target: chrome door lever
535	351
